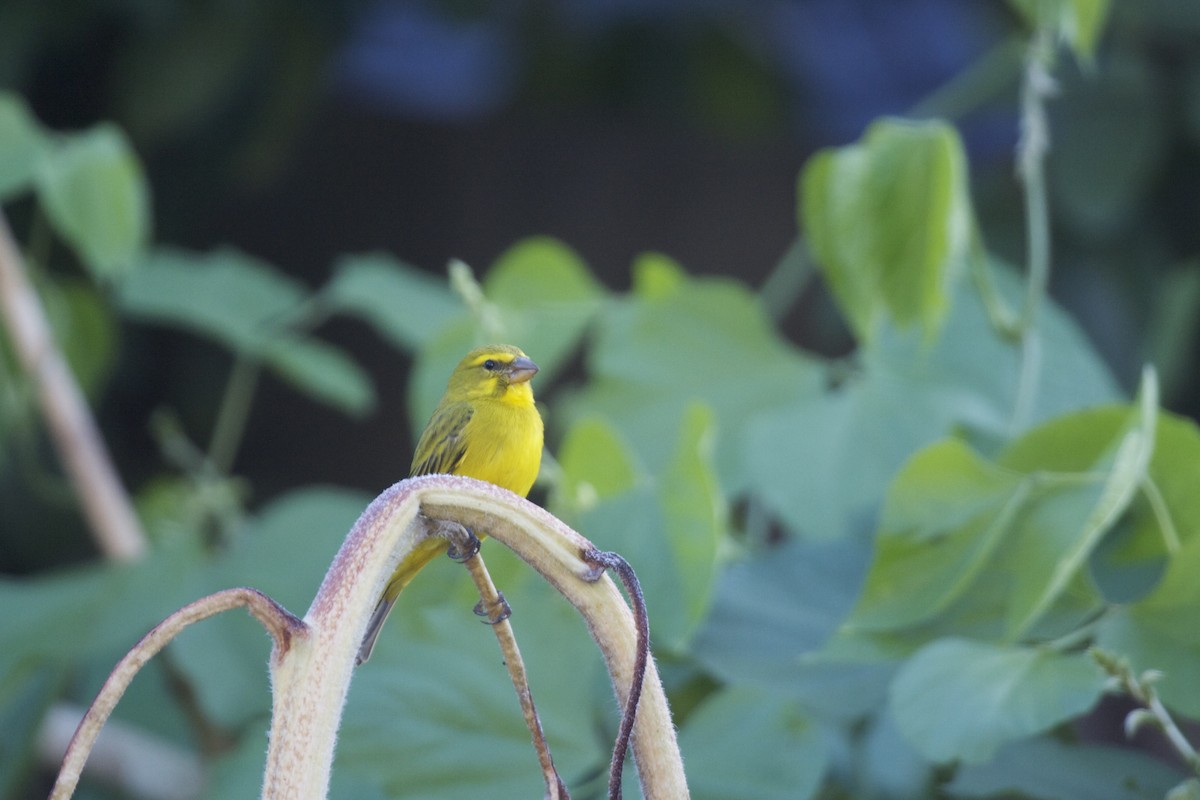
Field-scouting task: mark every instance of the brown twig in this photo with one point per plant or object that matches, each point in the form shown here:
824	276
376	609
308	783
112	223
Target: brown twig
616	563
281	624
105	503
492	599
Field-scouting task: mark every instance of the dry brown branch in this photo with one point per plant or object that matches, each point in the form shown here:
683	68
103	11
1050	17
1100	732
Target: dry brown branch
490	602
105	503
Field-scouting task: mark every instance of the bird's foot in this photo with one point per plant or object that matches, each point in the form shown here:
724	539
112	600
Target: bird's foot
498	611
463	543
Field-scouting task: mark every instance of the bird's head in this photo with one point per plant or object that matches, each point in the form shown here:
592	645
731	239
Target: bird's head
496	371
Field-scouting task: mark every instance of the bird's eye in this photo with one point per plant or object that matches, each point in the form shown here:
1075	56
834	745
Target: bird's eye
489	364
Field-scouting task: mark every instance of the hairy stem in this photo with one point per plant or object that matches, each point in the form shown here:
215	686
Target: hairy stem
283	627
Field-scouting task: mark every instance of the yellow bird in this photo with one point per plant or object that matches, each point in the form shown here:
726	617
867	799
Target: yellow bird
486	427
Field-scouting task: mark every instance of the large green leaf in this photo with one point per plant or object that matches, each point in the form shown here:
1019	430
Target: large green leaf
771	615
887	219
84	328
21	140
962	700
595	465
1062	530
946	513
745	743
1046	767
245	304
224	295
823	463
406	306
435	689
964	541
701	339
323	372
92	187
669	532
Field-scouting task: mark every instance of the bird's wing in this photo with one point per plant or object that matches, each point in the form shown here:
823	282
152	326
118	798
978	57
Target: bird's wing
443	444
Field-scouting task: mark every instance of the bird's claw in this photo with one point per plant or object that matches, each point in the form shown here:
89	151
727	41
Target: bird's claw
463	543
500	610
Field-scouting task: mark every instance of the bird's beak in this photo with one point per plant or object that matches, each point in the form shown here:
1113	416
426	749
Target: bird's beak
521	370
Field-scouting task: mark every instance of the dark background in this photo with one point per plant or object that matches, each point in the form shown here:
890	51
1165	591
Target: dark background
298	131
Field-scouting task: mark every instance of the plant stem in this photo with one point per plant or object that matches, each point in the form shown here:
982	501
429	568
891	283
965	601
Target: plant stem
106	505
1142	690
234	413
1034	144
283	627
491	598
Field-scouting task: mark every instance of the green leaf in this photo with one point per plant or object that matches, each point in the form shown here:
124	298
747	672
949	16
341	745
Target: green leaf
21	141
771	614
92	187
596	465
435	689
546	296
322	372
669	533
1077	22
708	340
656	275
887	220
246	305
694	511
84	329
962	700
224	295
404	305
909	393
1062	531
746	743
945	516
26	695
1047	767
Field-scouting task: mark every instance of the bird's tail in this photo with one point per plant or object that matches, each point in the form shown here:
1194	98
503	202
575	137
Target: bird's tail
416	560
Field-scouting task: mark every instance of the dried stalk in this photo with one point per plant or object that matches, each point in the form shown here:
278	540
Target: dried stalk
490	601
105	503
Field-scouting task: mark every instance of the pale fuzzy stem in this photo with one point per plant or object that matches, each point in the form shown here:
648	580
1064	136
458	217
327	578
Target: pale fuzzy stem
555	790
310	681
284	628
105	503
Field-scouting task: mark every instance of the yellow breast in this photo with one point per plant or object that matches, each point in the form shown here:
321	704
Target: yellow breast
504	445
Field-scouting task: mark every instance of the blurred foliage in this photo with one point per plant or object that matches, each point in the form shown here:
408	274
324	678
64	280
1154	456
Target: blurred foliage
864	579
